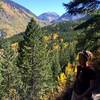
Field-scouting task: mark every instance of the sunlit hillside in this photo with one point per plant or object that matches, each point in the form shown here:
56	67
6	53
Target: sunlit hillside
13	18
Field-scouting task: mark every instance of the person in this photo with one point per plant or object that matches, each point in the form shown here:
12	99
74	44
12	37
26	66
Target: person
85	77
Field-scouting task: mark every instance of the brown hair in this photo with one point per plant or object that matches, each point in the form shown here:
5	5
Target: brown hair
83	55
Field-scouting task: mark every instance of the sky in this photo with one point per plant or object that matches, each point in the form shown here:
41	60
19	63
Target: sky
40	6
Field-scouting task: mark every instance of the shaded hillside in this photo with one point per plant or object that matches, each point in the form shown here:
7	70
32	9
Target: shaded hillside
13	17
12	39
65	26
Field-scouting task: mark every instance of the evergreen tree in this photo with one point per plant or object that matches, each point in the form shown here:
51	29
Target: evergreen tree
34	63
55	59
90	29
82	6
8	71
89	37
54	49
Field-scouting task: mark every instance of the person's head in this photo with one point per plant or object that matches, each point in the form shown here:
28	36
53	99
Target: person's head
85	57
82	57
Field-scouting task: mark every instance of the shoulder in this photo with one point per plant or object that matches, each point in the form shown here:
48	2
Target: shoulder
91	68
92	72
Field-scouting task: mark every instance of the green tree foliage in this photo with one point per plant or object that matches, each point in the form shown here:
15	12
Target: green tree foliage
82	6
90	34
34	63
65	30
55	55
90	29
59	27
8	71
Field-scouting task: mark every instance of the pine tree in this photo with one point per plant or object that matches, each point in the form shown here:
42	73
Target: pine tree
82	6
54	48
34	63
90	29
8	71
55	58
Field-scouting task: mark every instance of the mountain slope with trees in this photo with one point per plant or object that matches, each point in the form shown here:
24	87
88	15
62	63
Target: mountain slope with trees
13	18
40	63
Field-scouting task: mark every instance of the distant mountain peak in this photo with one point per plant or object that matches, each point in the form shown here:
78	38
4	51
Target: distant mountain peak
48	16
69	17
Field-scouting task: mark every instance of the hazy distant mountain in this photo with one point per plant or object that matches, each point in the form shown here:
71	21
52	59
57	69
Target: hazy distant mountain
48	16
13	17
68	17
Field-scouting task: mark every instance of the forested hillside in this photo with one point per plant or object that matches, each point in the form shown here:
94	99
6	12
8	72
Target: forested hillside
40	63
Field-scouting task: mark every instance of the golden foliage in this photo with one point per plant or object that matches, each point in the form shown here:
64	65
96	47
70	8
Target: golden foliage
69	69
46	38
12	94
62	78
56	46
61	39
65	45
14	46
1	51
55	36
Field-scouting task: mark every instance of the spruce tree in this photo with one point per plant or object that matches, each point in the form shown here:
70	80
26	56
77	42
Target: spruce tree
90	28
34	63
8	71
82	6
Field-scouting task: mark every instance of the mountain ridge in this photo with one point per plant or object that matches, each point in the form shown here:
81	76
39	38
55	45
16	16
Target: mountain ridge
48	16
18	6
64	17
13	18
